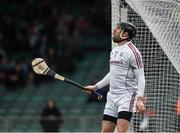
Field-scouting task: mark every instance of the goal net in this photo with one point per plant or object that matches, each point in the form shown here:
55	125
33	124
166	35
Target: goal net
158	39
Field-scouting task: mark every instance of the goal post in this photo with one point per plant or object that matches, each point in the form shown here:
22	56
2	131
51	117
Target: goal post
158	39
163	19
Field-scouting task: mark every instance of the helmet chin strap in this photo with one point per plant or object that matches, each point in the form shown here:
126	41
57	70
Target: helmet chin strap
122	36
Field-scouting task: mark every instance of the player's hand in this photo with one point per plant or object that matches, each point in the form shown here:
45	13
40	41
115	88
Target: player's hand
90	88
140	107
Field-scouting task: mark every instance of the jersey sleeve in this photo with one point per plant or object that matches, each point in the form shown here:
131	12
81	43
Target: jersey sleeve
141	81
136	60
104	82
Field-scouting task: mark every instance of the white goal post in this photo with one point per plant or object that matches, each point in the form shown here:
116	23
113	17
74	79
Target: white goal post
158	39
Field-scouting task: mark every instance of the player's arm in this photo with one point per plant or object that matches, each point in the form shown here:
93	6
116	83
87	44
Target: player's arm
102	83
138	67
141	86
141	81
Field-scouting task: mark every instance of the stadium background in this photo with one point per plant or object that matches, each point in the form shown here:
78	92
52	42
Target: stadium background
74	37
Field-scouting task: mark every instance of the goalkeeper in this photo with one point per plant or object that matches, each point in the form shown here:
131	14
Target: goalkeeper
126	80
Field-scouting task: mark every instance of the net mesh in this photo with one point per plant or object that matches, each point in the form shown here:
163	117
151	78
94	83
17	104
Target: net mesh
157	38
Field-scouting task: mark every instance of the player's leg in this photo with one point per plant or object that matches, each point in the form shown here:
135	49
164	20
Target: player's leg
125	109
124	118
108	123
110	115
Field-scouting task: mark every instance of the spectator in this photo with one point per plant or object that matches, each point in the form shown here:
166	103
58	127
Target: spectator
143	121
178	113
44	29
16	77
51	117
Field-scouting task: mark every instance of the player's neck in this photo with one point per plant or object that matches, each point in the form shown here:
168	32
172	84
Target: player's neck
123	42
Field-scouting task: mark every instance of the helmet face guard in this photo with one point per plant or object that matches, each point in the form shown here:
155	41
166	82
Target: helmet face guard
127	27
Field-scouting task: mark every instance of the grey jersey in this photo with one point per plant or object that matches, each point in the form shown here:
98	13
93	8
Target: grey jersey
123	60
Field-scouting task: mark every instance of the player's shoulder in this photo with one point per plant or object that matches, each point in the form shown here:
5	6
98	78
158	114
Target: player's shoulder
130	45
132	48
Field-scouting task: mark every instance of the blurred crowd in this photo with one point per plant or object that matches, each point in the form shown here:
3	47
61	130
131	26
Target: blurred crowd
55	30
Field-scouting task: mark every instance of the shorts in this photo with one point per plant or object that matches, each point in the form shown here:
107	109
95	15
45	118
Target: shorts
118	103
